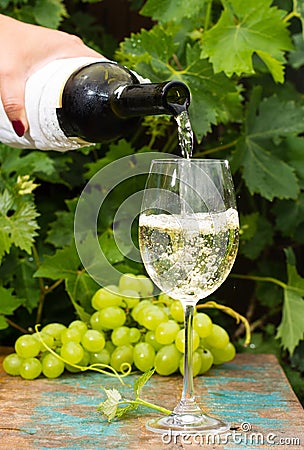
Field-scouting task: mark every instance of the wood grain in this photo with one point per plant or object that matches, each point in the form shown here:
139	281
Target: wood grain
251	392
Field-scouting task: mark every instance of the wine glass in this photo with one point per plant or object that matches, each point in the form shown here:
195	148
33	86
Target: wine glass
188	240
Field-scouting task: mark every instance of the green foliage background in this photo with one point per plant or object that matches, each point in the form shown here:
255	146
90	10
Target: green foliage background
243	62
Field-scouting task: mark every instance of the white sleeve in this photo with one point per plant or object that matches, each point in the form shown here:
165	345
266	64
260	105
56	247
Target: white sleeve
42	97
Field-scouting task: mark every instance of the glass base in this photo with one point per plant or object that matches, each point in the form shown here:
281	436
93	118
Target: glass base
187	424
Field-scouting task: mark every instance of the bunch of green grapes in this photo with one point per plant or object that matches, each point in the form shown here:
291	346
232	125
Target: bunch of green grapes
129	328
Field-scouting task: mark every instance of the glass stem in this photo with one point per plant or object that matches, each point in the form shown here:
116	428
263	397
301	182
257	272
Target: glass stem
188	404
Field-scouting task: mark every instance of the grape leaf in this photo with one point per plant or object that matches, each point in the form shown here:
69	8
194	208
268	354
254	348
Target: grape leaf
245	29
214	97
49	13
61	230
264	172
149	52
110	248
299	9
60	233
25	285
291	328
8	304
296	56
109	406
81	288
3	322
116	150
172	10
248	226
5	243
4	3
293	151
33	162
267	175
288	122
141	381
17	222
209	93
289	215
262	237
65	264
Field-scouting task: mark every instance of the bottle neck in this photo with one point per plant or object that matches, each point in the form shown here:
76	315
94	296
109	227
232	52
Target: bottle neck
136	100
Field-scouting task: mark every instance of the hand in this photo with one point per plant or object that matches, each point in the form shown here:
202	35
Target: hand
24	48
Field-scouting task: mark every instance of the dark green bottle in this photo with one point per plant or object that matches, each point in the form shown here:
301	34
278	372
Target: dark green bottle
104	101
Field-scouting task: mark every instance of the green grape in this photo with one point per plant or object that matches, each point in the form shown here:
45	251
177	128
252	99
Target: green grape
93	341
52	367
122	354
152	317
177	311
167	360
84	362
202	324
135	335
146	286
79	325
165	332
102	357
217	338
54	329
206	360
129	281
110	347
27	346
165	299
30	368
121	336
70	334
144	355
138	308
112	317
46	339
12	364
96	320
224	354
151	339
196	364
130	297
106	296
180	340
72	352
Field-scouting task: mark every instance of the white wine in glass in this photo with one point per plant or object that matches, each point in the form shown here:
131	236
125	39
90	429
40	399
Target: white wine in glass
188	239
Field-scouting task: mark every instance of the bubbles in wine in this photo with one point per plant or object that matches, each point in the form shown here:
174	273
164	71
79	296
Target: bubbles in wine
190	256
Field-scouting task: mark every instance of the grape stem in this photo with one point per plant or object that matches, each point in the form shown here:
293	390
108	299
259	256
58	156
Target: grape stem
44	290
97	367
140	402
115	405
231	312
15	325
153	406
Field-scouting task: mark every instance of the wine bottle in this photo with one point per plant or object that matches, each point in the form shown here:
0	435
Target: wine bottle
73	102
104	101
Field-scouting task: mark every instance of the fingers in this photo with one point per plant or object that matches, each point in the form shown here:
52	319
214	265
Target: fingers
12	91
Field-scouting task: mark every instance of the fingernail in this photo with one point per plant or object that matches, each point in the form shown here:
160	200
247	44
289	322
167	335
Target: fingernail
18	127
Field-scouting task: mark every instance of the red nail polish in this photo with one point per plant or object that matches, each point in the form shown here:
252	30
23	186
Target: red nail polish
18	127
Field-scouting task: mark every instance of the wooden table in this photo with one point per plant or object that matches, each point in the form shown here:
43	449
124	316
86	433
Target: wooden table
252	393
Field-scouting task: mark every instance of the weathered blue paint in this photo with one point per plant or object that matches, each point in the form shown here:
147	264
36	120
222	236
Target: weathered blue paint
62	413
85	390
